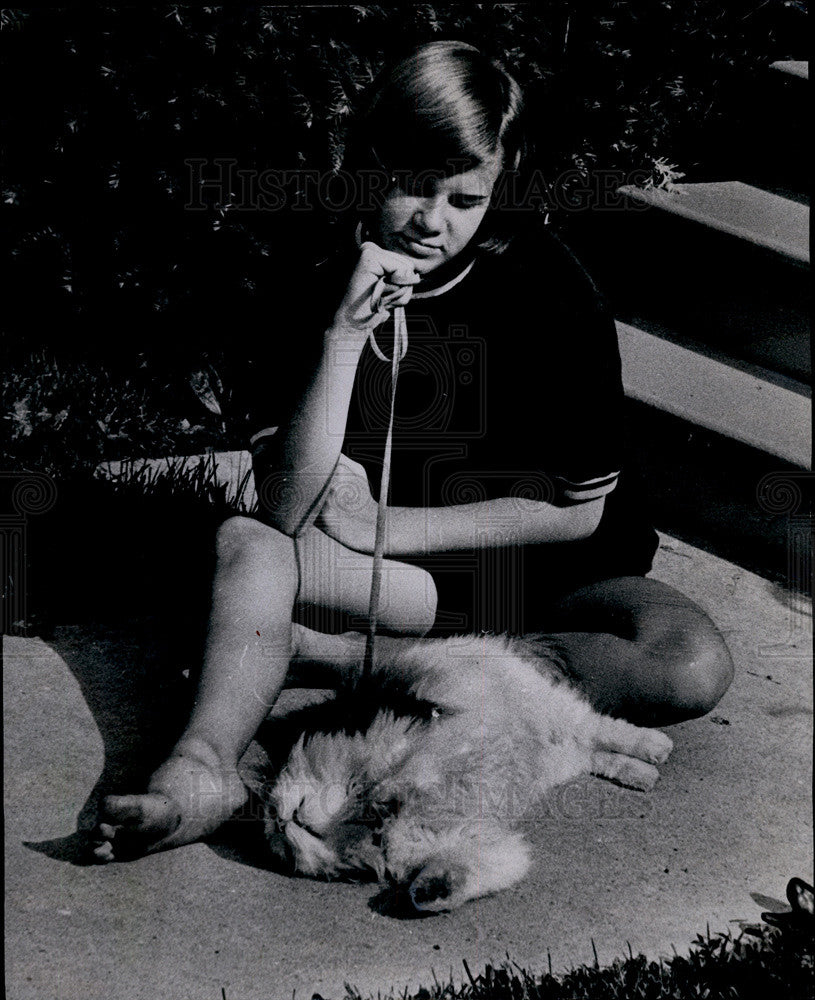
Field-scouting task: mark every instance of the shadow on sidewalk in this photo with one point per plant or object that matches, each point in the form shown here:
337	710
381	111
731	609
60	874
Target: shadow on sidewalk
130	578
119	588
133	679
139	699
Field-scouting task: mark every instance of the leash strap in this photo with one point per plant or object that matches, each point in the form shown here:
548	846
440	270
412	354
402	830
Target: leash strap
399	349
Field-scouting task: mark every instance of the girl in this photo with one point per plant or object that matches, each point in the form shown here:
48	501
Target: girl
512	505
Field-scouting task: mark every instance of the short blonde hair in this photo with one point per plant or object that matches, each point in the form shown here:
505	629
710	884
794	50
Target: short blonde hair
446	107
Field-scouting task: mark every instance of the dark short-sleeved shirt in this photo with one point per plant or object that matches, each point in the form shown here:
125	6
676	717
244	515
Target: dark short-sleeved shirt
510	387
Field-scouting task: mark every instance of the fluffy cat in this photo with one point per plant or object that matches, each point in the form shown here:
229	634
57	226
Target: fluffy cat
420	774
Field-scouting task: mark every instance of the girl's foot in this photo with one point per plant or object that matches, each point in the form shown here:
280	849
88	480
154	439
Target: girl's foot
188	797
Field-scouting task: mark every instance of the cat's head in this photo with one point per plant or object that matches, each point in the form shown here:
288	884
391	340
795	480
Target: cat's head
345	806
324	816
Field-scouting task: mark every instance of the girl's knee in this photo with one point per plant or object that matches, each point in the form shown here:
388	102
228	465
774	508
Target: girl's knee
701	671
239	536
409	599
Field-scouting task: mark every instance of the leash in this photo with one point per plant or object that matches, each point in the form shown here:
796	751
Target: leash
400	344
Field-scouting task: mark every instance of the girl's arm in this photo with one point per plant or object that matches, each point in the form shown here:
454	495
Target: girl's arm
349	515
293	469
416	531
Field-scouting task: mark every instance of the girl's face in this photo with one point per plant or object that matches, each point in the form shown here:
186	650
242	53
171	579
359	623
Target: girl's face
435	219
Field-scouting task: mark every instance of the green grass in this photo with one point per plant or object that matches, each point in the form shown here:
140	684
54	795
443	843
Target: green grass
761	962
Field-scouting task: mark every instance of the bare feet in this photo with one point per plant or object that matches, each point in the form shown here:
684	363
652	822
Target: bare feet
194	792
187	798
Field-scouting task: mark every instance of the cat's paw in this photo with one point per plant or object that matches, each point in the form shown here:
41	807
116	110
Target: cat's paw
653	746
624	770
439	886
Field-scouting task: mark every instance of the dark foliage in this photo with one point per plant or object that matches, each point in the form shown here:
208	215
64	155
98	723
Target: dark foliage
105	104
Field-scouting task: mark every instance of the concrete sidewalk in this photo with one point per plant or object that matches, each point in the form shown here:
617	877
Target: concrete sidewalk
730	817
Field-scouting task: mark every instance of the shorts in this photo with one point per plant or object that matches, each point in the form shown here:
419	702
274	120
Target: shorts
512	589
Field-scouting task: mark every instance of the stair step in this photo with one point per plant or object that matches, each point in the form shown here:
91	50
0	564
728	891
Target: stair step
765	219
720	495
793	67
711	394
740	334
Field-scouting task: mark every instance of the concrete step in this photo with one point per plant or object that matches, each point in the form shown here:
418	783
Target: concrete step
724	496
747	212
729	281
734	403
792	67
770	141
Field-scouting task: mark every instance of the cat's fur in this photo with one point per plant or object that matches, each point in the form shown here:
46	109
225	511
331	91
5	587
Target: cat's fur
435	759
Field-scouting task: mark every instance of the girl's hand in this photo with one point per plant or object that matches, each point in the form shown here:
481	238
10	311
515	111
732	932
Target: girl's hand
381	281
349	511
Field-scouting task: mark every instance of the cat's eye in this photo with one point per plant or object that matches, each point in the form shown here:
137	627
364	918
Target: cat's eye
295	817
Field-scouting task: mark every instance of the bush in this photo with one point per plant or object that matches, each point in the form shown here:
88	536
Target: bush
107	267
109	101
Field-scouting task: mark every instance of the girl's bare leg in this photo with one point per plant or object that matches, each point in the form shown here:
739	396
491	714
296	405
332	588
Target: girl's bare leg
641	650
249	646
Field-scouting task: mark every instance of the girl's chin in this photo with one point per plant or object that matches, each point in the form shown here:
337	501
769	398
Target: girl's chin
427	265
422	262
